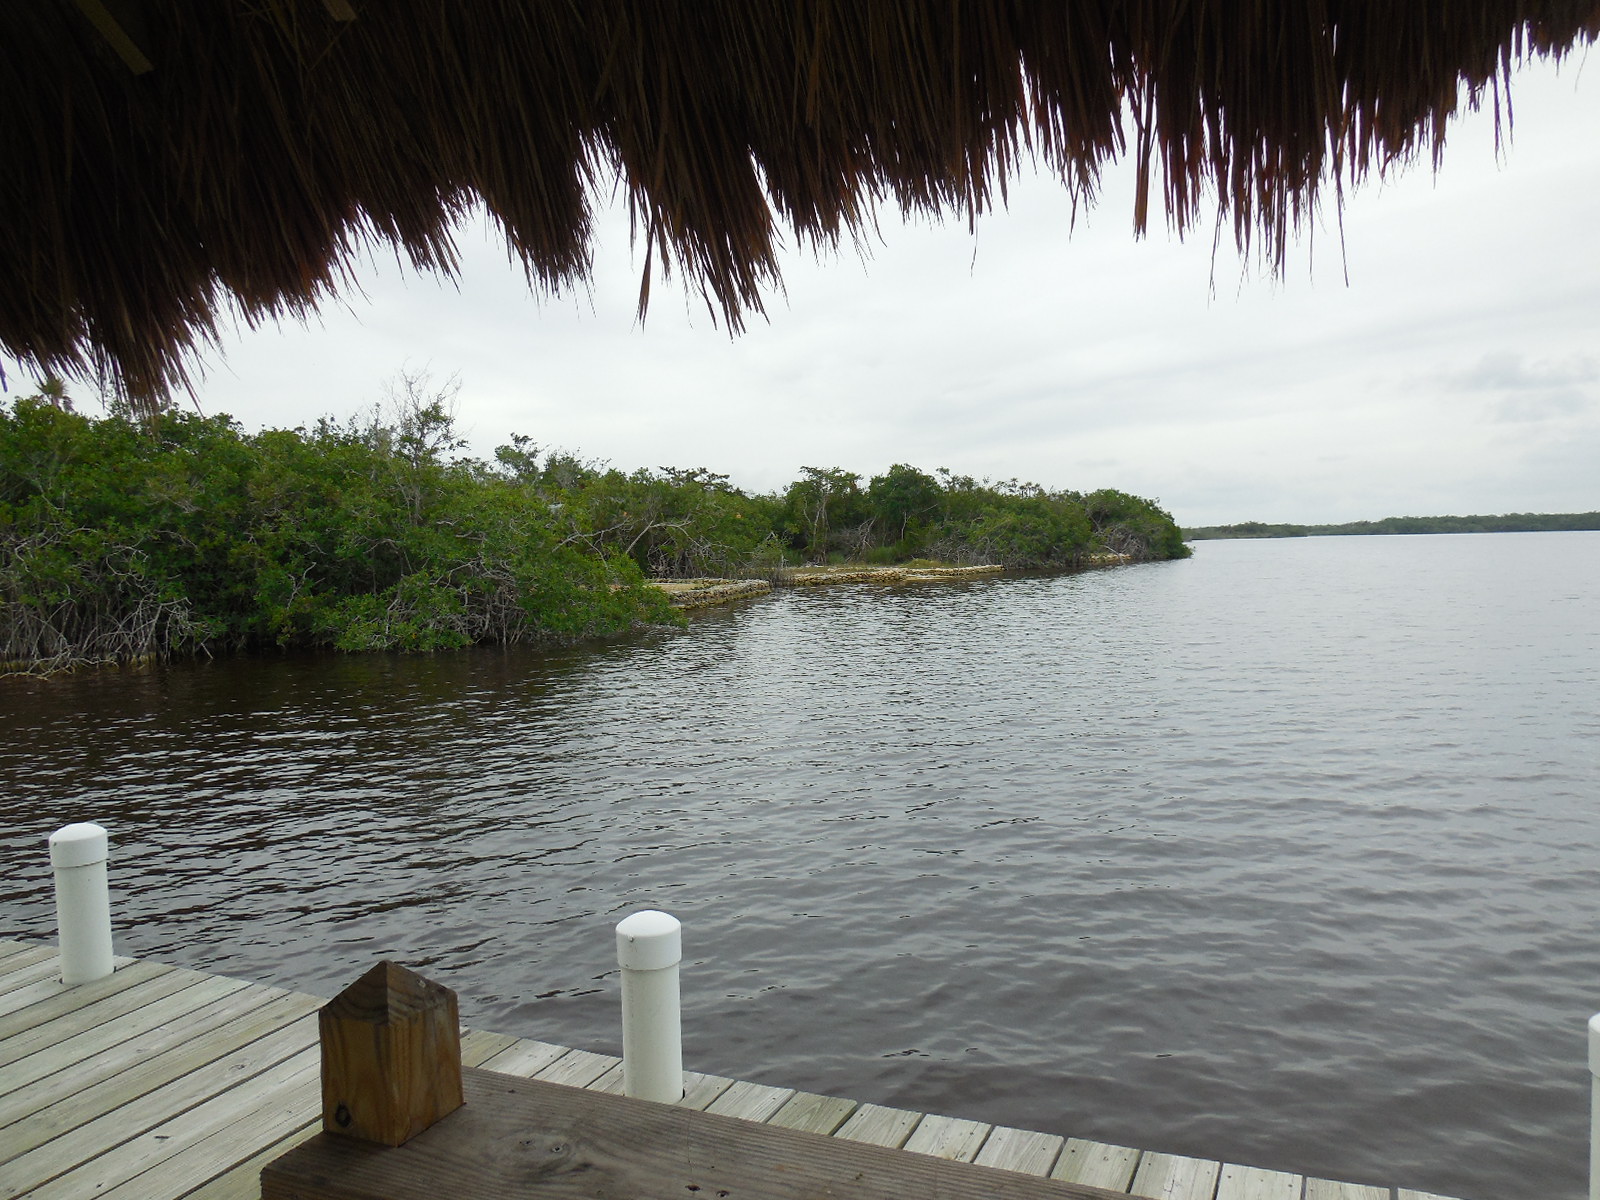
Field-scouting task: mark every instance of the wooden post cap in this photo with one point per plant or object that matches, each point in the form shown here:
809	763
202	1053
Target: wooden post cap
391	1056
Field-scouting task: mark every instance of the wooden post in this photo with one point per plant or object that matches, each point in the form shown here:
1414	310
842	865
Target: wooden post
391	1056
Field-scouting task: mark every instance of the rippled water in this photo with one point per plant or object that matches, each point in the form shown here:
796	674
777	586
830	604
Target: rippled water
1285	854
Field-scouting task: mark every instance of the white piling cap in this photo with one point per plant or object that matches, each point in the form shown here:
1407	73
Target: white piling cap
80	845
1594	1045
649	940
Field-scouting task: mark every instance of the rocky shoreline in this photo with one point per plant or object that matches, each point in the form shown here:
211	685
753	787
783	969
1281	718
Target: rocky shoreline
704	592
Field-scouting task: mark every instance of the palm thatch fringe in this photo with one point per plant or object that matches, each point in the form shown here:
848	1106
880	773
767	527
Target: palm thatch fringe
270	142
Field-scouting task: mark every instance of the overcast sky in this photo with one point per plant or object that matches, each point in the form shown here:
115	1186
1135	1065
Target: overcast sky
1458	370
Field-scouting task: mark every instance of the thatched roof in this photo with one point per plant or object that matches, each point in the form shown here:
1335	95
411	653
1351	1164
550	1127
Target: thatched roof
168	159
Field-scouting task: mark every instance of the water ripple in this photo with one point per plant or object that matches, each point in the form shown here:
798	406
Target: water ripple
1283	854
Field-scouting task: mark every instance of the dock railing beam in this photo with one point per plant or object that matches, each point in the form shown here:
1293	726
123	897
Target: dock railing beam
83	901
1594	1107
649	949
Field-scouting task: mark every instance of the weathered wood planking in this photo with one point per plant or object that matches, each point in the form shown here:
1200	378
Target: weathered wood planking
10	951
877	1125
1254	1183
40	982
242	1181
586	1143
160	1085
1330	1189
1020	1150
812	1113
109	1073
30	967
1096	1163
948	1137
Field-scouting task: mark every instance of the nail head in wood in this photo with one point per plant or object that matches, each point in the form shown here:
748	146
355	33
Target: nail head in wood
391	1056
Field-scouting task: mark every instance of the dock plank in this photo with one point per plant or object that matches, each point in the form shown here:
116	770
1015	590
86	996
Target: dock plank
1332	1189
1097	1164
42	983
1173	1177
242	1180
29	968
750	1101
279	1111
576	1068
879	1126
92	1028
1257	1183
283	1096
19	950
948	1137
1020	1150
59	1102
479	1044
700	1090
525	1057
811	1113
85	1003
31	1156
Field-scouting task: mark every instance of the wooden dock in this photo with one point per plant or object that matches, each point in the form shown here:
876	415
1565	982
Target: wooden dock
161	1083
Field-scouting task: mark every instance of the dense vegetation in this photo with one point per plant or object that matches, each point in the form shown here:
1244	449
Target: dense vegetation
123	538
1508	523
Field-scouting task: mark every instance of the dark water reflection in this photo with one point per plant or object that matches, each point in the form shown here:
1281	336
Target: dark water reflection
1285	854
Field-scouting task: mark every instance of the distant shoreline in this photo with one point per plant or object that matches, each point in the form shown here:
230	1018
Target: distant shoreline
1507	523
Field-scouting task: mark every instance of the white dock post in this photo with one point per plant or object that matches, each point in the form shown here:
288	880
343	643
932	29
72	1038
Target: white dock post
83	902
649	949
1594	1107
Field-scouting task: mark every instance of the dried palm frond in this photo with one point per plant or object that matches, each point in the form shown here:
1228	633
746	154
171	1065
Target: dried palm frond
169	160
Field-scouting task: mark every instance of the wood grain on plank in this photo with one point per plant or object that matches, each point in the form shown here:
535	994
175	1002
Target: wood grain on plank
14	950
43	982
242	1180
197	1160
582	1144
700	1090
877	1125
948	1137
90	1029
576	1068
1020	1150
1257	1183
525	1057
1097	1163
1173	1177
89	1002
750	1101
140	1062
192	1041
1332	1189
288	1092
29	968
812	1113
73	1131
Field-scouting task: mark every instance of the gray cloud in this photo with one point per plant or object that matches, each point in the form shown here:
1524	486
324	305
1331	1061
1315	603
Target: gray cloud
1505	371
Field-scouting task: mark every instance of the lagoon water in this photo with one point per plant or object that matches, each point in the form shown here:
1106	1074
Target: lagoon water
1285	854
